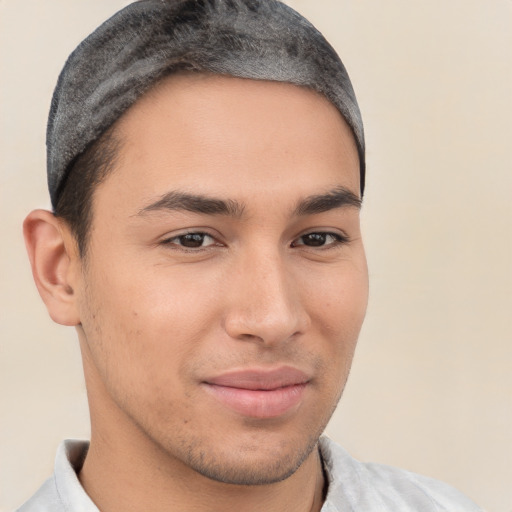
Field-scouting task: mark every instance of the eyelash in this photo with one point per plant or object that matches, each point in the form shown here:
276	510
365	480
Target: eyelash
338	240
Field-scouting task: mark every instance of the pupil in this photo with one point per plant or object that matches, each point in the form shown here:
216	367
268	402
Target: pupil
315	239
192	240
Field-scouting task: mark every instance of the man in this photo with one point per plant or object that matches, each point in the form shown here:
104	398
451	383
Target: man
206	169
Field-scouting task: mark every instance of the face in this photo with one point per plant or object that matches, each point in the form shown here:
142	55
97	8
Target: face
225	283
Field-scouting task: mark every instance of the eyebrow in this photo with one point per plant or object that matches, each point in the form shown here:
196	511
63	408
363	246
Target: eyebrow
339	197
196	204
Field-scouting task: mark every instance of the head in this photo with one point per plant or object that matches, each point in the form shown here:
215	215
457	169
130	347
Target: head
206	170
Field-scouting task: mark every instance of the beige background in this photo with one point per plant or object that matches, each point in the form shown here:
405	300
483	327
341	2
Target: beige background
431	387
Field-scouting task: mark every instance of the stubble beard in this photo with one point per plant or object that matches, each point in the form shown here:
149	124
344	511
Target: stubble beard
250	464
253	473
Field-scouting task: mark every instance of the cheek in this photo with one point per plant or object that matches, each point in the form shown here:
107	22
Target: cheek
338	300
144	326
337	311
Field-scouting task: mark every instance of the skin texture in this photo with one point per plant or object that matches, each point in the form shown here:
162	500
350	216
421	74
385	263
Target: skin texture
158	321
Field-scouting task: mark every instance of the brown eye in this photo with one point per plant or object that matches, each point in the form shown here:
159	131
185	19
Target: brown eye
315	239
320	239
191	240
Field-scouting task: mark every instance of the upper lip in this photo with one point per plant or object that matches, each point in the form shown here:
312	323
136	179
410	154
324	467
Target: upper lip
260	379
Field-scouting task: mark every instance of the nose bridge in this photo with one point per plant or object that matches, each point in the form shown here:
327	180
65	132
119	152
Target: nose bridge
265	305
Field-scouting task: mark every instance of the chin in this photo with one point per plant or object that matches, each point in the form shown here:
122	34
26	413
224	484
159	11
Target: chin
251	470
261	461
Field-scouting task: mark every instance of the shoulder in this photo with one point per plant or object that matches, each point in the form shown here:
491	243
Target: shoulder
46	499
62	492
377	487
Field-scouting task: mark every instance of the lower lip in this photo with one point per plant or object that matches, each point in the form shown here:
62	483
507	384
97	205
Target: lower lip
259	403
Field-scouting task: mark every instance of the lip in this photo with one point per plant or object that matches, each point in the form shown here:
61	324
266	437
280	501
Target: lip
259	393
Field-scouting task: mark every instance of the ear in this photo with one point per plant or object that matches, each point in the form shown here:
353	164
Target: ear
55	264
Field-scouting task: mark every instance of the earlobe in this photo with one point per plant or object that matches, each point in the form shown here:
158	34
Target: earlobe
53	258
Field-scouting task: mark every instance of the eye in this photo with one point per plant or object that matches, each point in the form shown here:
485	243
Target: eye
191	240
320	239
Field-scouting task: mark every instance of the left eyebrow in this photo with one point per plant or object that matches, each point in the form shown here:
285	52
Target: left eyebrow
339	197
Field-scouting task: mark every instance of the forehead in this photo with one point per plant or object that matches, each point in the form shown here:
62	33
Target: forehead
208	132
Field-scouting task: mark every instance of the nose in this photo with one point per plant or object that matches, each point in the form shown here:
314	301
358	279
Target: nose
265	305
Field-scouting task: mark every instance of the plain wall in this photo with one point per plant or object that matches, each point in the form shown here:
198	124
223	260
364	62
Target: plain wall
431	385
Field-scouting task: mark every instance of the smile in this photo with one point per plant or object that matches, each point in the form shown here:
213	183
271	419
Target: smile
258	393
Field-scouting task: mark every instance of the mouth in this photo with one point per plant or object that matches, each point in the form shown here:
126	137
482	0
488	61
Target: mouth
260	393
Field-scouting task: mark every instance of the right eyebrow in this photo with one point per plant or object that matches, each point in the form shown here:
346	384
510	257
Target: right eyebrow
195	203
